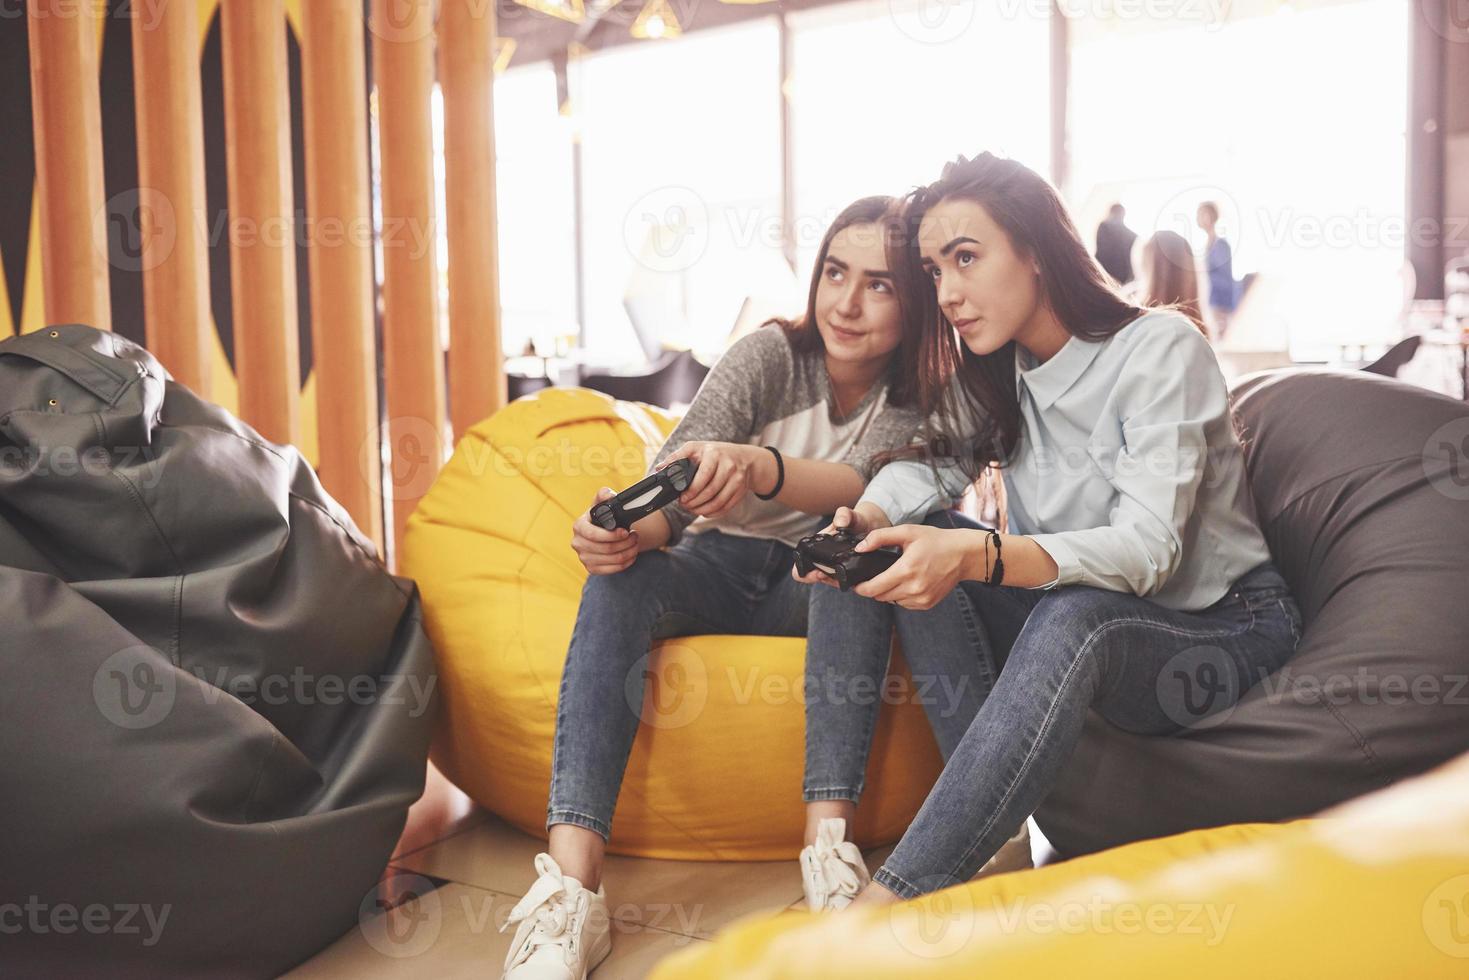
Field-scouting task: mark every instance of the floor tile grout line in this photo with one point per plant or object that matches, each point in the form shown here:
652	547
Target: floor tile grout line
484	818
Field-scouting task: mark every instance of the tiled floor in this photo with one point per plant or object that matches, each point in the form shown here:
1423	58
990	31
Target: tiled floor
459	872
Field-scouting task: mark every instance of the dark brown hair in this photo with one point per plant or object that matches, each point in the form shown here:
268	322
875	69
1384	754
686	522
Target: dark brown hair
915	306
1072	284
1172	276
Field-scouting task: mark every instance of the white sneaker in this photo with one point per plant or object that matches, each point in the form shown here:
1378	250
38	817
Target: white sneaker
564	928
832	869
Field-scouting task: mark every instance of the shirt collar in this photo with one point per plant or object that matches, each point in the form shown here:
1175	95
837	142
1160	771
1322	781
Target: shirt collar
1049	381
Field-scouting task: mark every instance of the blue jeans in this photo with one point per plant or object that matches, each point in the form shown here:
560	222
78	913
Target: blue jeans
1036	661
847	649
709	582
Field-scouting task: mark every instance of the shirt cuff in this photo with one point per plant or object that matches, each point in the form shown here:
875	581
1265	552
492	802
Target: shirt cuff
886	502
1068	566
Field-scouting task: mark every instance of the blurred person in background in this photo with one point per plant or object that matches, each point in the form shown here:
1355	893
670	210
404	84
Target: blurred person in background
1219	262
1170	277
1114	245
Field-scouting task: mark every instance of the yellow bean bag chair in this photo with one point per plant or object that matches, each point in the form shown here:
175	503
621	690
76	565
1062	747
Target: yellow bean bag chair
716	768
1378	887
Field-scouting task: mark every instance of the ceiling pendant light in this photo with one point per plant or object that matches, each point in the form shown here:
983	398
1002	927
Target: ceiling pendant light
572	10
504	51
656	21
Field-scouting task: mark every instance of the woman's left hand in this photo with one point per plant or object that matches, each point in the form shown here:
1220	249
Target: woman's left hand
934	561
727	472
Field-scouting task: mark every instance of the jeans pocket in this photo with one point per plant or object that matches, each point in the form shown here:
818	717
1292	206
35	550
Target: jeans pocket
1292	613
1263	600
1261	589
1231	608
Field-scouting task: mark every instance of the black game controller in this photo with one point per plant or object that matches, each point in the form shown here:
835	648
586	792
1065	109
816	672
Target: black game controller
833	554
653	492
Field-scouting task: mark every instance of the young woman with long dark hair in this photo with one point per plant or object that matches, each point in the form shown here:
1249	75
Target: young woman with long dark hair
1132	578
1170	277
823	391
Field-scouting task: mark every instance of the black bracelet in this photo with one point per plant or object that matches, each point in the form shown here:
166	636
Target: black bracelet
998	575
780	476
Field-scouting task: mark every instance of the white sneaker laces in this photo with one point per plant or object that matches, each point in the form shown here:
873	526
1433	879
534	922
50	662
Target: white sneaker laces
832	865
550	905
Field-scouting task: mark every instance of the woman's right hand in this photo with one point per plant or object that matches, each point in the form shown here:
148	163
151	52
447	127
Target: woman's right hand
603	552
861	520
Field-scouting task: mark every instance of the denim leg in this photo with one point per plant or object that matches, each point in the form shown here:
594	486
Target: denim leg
783	604
956	650
701	585
848	644
1146	669
847	647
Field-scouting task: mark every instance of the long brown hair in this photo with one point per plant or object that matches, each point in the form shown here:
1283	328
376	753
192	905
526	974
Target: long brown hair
1172	276
914	306
1072	284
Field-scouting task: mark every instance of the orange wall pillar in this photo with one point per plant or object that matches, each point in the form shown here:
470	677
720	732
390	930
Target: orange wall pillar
68	131
261	228
466	75
340	256
175	256
403	56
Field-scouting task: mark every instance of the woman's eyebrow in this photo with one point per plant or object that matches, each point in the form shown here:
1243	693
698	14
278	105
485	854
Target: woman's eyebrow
956	243
869	273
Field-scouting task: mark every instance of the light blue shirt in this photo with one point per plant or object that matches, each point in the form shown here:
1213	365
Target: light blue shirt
1128	471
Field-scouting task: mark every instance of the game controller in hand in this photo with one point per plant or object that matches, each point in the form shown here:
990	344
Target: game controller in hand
834	554
654	492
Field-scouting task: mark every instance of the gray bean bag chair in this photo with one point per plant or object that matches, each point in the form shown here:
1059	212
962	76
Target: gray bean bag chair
214	702
1362	488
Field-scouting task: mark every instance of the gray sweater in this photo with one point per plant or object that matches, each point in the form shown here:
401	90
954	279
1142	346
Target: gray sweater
763	393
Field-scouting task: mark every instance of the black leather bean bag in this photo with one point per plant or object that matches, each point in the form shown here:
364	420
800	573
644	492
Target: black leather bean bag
214	702
1362	488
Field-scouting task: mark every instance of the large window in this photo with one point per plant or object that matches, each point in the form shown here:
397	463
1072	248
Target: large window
884	93
534	197
1300	142
681	157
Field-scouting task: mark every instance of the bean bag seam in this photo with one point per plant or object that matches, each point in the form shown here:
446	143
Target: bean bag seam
544	493
176	654
520	594
623	431
257	443
393	579
259	773
1336	476
1362	744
